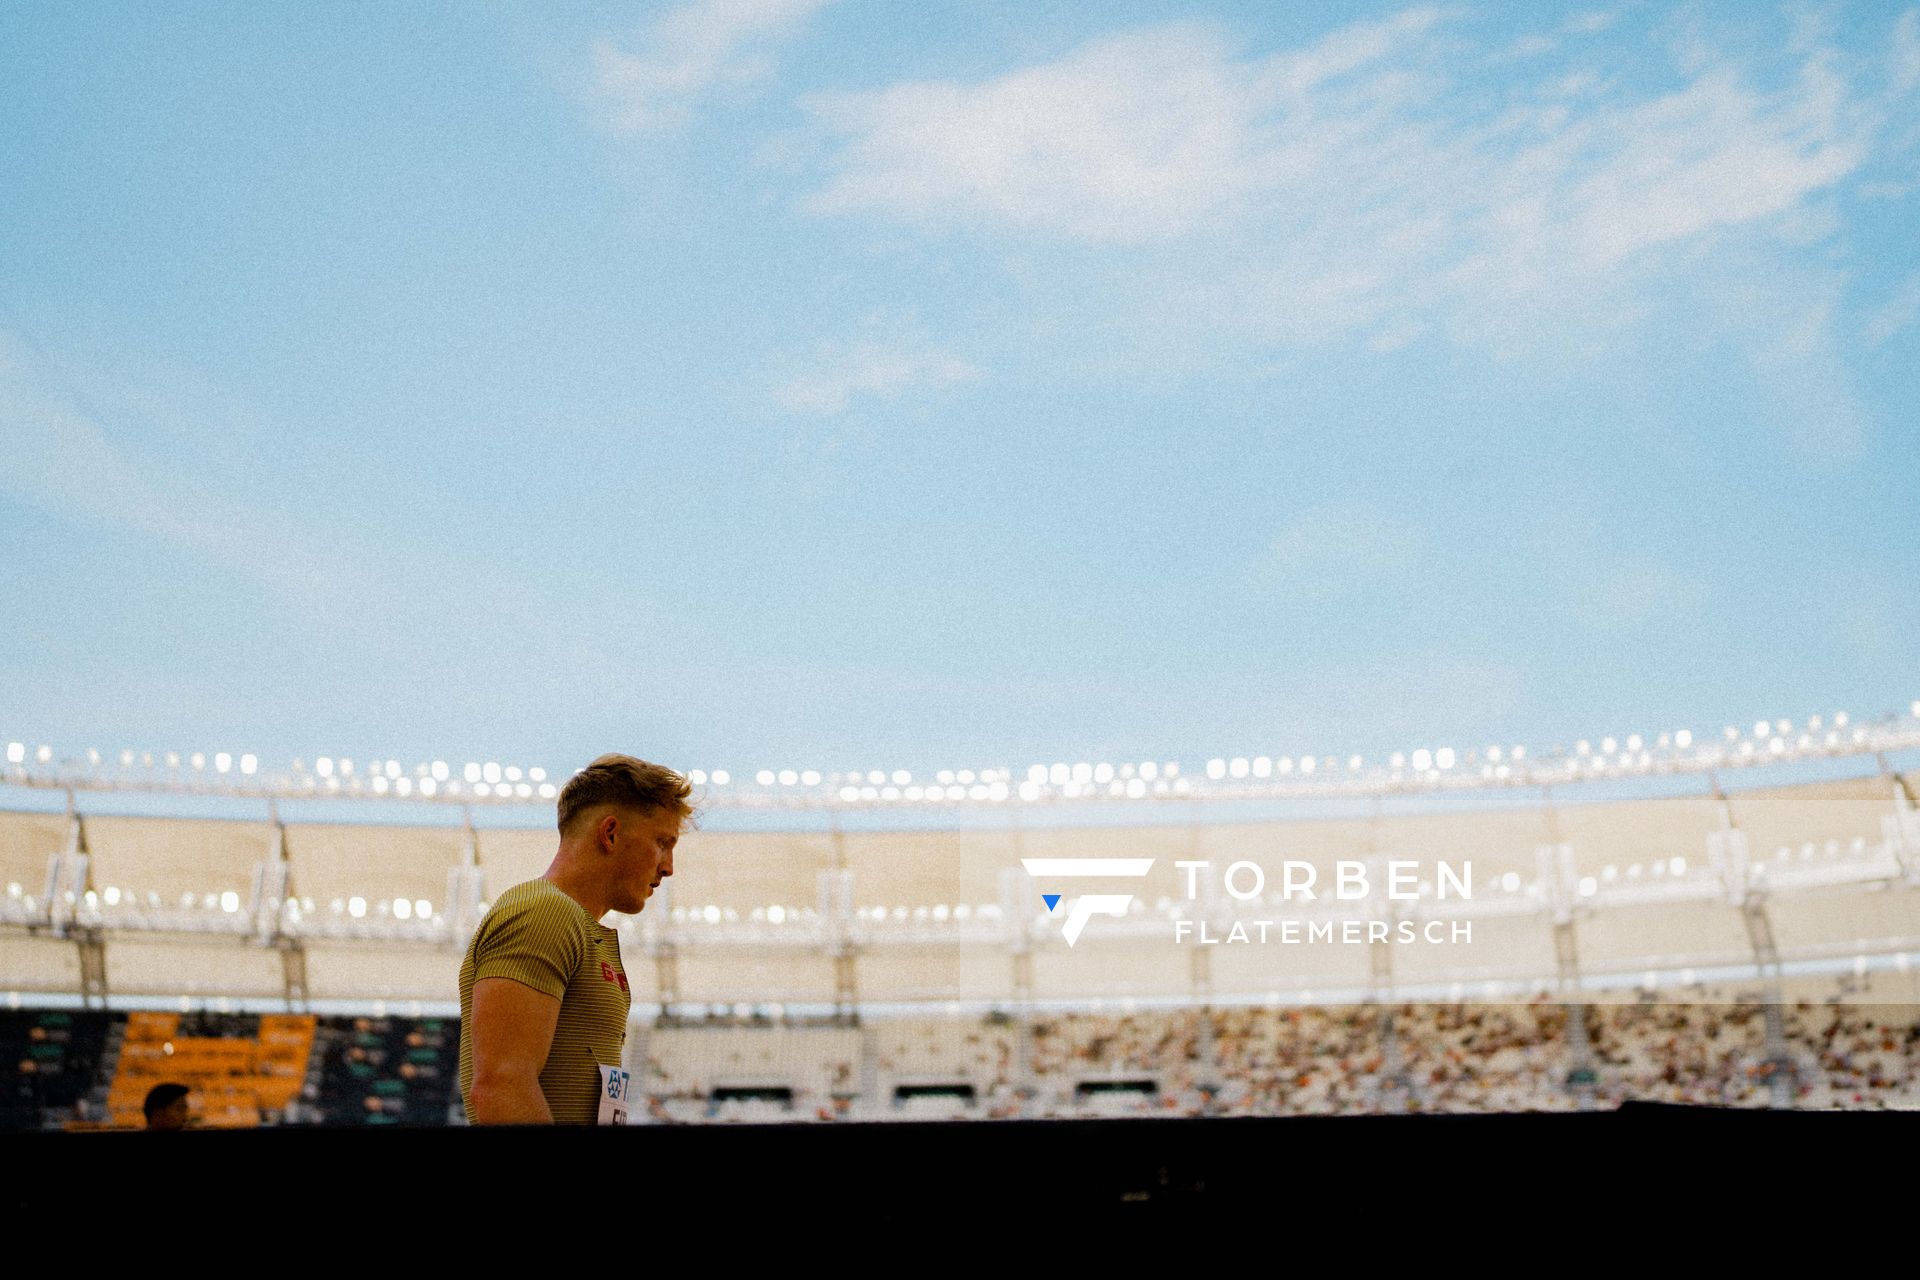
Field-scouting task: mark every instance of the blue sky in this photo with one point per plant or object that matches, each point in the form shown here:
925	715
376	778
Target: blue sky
849	385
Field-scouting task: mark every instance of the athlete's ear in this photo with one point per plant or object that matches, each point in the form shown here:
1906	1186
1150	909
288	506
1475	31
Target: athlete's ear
609	827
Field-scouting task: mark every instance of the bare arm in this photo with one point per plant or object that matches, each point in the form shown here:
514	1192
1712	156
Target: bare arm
512	1031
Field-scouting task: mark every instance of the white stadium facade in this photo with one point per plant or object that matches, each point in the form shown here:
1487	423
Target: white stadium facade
1775	865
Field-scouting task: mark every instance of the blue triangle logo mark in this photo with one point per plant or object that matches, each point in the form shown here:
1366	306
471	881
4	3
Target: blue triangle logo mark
1051	899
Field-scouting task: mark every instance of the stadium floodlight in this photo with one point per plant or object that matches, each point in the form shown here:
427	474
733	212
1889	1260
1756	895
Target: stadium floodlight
1608	746
402	909
548	791
1237	767
1029	791
1443	758
877	776
512	772
16	752
536	774
198	759
849	794
490	772
223	762
1149	770
229	901
1216	769
696	776
1059	775
1422	760
764	777
1683	739
720	777
356	907
811	778
1262	766
788	777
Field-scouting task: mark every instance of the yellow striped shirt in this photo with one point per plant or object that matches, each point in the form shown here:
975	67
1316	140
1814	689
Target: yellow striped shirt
537	935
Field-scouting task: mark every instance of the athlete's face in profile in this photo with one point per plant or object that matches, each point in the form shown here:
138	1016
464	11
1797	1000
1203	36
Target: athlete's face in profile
643	842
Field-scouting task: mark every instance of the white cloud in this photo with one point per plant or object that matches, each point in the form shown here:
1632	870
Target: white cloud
72	440
690	52
1382	186
1896	313
1136	137
1337	549
1906	52
837	373
1376	171
1635	591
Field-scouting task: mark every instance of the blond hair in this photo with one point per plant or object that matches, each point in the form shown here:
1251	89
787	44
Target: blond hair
627	782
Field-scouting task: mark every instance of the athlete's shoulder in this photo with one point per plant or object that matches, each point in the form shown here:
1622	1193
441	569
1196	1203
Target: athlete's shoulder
538	899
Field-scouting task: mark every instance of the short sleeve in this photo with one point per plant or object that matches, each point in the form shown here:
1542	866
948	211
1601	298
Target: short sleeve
536	942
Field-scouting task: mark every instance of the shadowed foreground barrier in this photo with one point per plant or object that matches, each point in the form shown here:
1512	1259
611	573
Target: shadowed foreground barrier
1337	1168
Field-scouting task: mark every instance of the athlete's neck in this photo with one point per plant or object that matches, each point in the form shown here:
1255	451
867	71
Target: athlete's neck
574	886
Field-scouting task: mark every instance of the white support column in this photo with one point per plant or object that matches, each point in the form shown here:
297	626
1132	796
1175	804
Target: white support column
466	888
1900	830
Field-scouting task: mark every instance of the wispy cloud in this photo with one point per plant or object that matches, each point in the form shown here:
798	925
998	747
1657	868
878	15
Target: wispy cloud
107	454
1896	313
1335	550
1375	171
1136	137
837	373
690	53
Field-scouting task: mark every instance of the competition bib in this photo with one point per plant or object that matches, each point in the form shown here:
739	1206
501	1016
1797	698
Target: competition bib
614	1083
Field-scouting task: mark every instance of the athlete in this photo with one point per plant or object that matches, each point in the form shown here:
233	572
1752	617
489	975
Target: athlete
543	995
